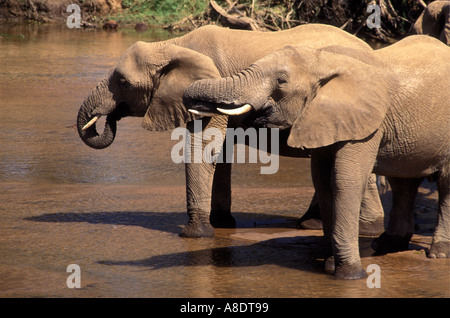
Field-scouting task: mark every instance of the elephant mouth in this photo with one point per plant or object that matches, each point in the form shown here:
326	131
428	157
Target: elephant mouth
122	110
260	118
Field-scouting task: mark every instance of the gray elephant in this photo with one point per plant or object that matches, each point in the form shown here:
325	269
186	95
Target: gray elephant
434	21
384	111
149	81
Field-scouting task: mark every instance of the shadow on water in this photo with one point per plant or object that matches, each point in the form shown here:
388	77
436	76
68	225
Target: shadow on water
161	221
303	252
148	220
299	252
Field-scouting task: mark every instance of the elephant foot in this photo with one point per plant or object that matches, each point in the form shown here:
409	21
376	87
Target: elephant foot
350	271
311	219
389	243
439	250
197	230
354	271
220	219
374	228
329	265
309	224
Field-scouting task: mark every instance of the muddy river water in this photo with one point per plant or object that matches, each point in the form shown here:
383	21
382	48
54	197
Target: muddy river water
116	213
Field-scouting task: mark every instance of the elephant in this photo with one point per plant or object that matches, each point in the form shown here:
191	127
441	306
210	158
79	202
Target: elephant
434	21
149	81
359	112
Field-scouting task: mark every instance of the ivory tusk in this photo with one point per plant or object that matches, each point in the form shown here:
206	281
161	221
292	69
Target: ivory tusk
91	122
200	113
236	111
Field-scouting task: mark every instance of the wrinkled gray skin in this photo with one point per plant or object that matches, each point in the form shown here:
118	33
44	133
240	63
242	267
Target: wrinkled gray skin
384	111
149	82
434	21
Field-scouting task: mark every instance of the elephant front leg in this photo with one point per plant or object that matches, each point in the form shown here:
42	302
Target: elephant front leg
221	197
371	221
200	177
321	167
347	196
354	162
199	180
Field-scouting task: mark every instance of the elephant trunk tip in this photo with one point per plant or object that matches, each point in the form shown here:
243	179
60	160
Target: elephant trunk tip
87	131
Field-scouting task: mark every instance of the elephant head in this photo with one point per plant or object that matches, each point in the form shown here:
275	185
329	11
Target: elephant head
148	81
434	21
324	96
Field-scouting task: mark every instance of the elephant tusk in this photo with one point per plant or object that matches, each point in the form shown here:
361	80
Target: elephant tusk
91	122
200	113
237	111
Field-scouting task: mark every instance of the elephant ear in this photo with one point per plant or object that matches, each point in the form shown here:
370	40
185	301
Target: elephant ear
350	103
180	68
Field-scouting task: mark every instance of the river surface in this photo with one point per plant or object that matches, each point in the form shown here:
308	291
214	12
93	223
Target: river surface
117	212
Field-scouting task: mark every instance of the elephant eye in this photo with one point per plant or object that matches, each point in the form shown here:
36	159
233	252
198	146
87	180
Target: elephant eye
123	83
282	79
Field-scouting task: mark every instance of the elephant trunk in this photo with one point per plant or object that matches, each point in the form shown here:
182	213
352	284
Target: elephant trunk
231	95
98	103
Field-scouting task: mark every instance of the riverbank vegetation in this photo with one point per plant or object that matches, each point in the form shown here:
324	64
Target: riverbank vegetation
396	16
160	12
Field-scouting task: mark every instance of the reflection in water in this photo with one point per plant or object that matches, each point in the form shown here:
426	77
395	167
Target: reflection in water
117	212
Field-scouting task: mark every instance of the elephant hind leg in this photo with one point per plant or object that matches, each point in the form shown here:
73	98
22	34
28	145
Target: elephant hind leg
401	218
440	246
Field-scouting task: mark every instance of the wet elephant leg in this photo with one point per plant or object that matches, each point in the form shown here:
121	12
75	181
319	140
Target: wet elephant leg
401	218
221	197
440	246
200	177
321	176
371	218
311	220
371	221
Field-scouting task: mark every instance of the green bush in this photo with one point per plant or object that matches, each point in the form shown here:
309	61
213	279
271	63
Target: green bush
160	11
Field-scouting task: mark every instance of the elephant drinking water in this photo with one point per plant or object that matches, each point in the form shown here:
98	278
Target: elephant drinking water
384	111
149	81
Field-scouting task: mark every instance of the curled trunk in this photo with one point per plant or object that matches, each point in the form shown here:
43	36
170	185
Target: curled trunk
230	92
96	104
